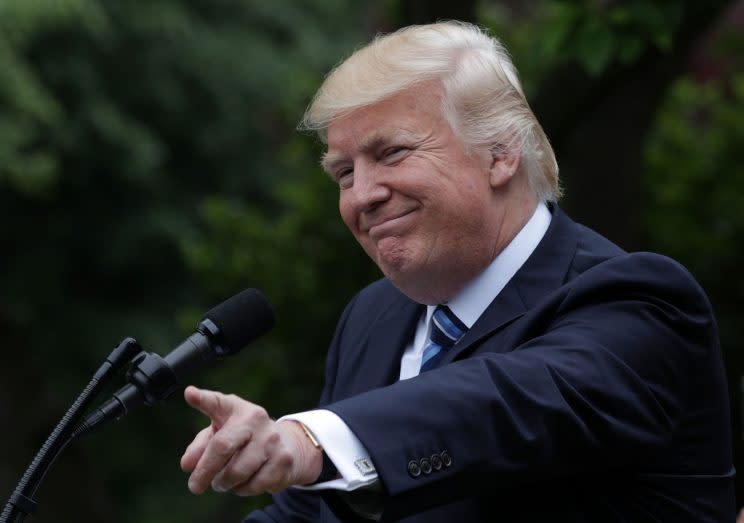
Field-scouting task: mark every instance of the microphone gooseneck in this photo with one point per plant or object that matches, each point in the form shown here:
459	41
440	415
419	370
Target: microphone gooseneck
224	330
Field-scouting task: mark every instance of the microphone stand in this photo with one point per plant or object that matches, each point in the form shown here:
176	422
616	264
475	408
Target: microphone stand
21	502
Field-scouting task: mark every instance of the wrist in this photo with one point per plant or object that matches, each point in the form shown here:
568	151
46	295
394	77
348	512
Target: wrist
310	453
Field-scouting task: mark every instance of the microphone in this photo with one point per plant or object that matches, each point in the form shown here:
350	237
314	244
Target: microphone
223	331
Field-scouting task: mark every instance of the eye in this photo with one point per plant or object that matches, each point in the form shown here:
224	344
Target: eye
394	152
344	177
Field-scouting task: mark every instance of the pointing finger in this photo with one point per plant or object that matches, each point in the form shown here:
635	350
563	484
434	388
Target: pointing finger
215	405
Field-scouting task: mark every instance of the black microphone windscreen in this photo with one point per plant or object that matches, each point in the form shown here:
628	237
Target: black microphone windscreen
241	319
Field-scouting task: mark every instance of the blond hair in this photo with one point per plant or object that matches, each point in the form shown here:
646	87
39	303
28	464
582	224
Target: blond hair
483	99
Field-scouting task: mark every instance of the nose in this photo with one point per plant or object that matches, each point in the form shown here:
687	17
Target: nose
368	190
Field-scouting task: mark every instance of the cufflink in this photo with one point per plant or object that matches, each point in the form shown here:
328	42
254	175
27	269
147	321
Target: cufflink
365	466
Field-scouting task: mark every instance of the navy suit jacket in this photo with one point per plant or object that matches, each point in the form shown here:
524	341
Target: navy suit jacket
591	389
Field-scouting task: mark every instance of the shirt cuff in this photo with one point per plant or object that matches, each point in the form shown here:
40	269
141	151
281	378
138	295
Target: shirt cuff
342	447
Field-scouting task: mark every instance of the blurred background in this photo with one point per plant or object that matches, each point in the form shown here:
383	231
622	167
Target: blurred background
149	169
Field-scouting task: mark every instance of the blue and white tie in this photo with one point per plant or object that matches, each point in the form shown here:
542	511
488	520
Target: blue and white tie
446	330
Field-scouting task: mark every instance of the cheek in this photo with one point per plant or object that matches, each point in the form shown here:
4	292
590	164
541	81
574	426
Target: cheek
350	219
346	213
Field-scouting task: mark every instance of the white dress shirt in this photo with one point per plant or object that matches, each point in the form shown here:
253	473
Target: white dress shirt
343	448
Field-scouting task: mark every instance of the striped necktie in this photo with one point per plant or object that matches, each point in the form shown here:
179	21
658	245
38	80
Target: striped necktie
446	330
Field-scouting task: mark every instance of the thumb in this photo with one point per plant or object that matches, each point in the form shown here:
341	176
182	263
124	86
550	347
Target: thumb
217	406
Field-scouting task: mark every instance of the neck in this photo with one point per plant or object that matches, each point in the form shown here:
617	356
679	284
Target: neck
450	280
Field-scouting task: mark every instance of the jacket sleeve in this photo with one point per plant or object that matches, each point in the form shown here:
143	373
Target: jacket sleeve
595	376
290	506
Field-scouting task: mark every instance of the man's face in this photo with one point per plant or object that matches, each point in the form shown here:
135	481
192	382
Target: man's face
419	204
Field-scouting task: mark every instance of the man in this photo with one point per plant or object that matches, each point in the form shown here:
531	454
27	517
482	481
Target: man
512	365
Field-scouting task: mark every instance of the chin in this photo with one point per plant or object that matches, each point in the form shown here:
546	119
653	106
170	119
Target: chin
396	265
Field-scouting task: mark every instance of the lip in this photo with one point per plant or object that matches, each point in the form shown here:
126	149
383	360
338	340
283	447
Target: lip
389	226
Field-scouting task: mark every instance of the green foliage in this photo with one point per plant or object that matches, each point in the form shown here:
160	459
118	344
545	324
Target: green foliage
596	34
131	135
695	185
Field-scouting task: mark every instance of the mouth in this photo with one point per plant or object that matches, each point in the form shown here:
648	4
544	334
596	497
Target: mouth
389	226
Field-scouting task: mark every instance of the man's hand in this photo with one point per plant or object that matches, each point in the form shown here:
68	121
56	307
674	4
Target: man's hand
244	450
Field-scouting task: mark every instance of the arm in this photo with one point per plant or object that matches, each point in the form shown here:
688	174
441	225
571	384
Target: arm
595	376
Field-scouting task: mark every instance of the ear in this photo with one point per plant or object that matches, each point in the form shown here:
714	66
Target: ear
504	165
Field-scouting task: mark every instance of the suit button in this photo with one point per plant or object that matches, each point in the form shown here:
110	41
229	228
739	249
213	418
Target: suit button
436	461
425	466
413	468
446	458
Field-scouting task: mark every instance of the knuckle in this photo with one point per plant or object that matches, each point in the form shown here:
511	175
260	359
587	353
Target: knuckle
258	415
223	445
273	438
219	399
284	459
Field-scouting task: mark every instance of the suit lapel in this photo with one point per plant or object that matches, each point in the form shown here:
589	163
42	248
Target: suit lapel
544	271
391	333
507	306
